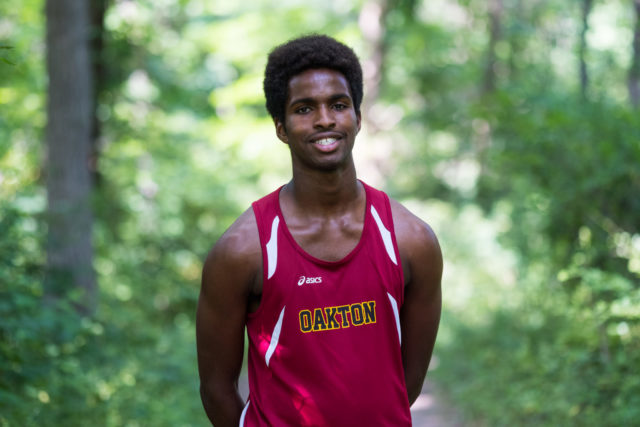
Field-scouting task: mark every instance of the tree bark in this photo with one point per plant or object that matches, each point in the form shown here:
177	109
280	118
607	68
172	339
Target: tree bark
70	108
582	53
373	26
98	11
495	32
634	69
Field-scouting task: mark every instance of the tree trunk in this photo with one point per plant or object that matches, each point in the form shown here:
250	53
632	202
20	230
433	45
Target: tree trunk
584	75
495	24
634	69
372	24
98	11
70	109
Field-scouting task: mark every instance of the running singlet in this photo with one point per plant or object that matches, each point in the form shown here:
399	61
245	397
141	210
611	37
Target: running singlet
324	344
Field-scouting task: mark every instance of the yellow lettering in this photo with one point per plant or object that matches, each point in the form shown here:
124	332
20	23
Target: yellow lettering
337	317
319	324
305	321
356	314
369	312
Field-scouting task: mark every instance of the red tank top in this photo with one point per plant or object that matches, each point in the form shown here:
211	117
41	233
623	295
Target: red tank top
324	344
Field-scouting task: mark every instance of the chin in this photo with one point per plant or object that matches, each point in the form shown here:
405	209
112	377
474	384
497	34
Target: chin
332	166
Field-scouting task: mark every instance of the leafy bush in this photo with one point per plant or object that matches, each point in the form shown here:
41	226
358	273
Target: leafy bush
549	362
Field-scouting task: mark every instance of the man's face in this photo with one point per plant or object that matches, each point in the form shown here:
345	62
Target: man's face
320	120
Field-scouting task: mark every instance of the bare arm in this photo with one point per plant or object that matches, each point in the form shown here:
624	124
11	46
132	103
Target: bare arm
229	275
420	314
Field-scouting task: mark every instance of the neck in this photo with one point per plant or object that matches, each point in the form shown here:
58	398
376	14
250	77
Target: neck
323	191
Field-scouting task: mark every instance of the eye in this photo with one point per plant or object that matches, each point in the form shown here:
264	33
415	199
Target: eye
302	110
340	106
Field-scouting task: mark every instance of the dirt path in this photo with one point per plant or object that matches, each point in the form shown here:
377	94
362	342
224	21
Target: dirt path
428	410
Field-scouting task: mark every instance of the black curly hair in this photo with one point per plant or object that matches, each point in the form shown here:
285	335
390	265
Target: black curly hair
304	53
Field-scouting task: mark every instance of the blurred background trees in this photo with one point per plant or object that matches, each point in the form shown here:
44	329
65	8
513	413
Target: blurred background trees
69	273
511	126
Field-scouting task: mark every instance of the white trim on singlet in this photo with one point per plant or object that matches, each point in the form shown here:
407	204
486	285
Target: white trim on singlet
272	248
244	413
385	234
275	336
394	307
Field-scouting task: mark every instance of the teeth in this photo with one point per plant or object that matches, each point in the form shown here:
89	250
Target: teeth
326	141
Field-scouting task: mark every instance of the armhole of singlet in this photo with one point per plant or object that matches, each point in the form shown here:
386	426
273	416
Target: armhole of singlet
394	239
263	237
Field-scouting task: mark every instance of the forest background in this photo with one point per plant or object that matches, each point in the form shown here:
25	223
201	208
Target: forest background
133	132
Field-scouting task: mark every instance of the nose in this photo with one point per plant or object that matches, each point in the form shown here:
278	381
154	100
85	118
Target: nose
324	118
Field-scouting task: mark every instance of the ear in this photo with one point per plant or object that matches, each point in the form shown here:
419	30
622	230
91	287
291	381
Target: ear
281	131
359	120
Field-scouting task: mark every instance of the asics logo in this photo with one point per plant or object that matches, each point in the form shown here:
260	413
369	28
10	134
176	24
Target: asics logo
309	280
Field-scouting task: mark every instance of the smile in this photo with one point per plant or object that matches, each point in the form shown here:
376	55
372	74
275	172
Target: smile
325	141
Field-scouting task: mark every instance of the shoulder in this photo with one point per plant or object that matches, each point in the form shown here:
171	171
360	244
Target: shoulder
237	253
417	242
411	230
240	240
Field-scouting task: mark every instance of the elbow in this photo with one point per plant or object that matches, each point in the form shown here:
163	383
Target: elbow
414	385
207	399
222	403
413	392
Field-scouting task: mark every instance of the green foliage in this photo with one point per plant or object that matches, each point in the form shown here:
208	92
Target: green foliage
550	362
558	349
60	368
576	170
3	58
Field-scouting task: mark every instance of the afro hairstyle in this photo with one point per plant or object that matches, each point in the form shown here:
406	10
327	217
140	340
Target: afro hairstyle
312	51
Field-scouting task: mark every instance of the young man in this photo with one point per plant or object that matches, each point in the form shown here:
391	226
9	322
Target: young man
337	285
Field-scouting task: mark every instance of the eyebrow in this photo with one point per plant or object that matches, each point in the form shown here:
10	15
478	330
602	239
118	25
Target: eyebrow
313	100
